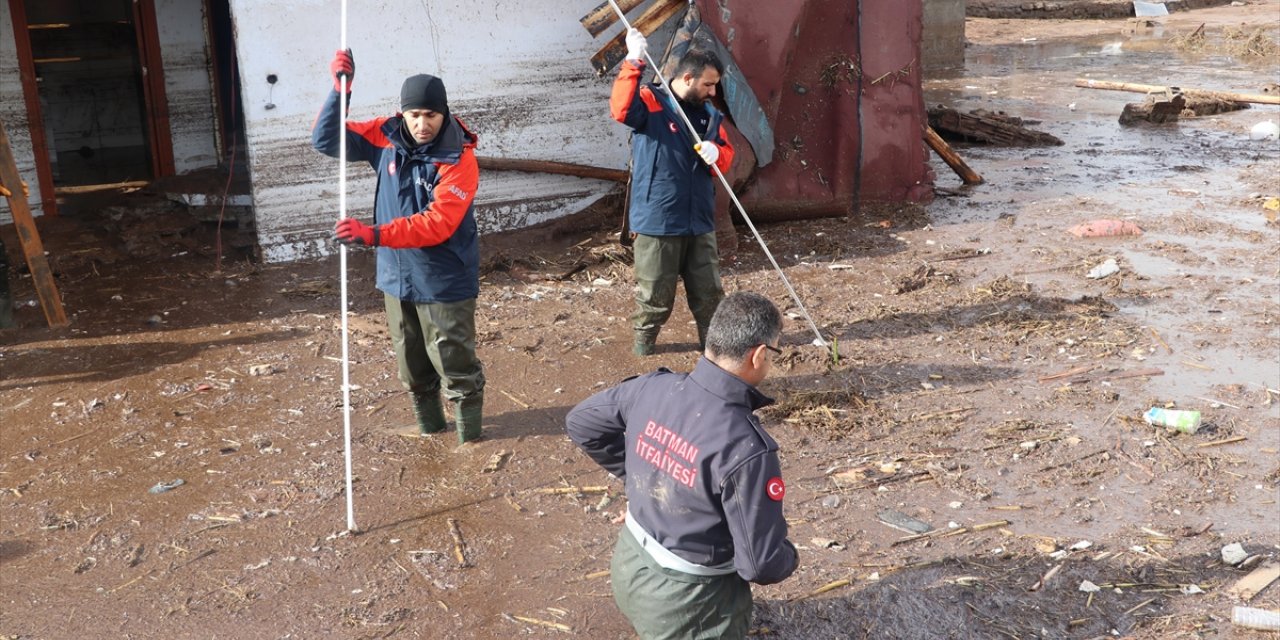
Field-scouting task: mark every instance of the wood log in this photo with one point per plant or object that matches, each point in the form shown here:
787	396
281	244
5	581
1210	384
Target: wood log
989	128
603	16
549	166
949	156
612	53
1154	111
1087	83
29	238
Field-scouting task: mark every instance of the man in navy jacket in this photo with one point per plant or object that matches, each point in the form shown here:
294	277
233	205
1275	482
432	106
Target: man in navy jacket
672	211
703	481
426	237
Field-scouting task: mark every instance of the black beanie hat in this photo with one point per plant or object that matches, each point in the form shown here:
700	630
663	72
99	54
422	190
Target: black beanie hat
424	92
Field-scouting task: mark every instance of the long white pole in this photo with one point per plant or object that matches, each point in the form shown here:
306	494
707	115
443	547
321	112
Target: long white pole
818	339
342	261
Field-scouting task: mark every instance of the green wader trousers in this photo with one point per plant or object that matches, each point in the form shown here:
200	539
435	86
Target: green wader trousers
435	346
659	262
664	604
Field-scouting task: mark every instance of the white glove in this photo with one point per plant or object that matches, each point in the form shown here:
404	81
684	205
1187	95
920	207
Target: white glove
708	151
636	44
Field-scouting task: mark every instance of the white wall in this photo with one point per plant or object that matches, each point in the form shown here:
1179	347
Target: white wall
13	113
517	73
187	83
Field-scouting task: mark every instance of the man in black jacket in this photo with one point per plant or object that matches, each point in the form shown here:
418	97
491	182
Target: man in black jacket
703	481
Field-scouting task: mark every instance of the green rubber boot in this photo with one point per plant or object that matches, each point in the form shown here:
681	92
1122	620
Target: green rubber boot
645	344
429	411
469	416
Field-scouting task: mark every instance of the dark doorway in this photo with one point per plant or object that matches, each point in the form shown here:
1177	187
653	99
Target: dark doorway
226	78
89	73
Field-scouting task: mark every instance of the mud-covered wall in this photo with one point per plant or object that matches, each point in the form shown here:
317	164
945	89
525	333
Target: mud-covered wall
181	26
13	113
517	73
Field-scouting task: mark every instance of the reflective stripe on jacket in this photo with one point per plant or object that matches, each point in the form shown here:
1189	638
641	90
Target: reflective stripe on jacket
702	476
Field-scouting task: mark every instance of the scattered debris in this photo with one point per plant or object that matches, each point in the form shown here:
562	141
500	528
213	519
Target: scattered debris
495	461
542	623
1249	586
162	487
459	547
1266	130
1175	420
903	522
1251	618
1233	554
987	127
1103	228
1103	270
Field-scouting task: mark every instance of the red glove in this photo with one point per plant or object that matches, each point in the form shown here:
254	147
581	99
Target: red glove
352	231
344	64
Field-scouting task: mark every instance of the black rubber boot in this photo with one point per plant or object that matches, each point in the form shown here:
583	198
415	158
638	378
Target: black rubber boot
429	411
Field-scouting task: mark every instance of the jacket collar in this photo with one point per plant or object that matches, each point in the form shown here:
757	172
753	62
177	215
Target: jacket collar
446	148
727	386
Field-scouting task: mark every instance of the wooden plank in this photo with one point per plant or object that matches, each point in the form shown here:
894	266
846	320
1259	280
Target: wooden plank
948	155
153	90
1249	586
550	166
50	301
1257	98
603	16
612	53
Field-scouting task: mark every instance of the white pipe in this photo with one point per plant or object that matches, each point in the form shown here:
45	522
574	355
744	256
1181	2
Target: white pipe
818	339
342	261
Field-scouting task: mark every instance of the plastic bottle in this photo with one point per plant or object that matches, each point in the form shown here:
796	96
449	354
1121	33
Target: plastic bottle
1174	419
1251	618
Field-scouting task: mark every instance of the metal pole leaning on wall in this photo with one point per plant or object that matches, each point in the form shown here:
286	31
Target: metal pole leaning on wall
342	260
818	339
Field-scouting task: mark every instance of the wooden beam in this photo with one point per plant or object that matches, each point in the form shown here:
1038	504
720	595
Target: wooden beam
603	16
50	301
612	53
948	155
1255	98
35	119
549	166
159	137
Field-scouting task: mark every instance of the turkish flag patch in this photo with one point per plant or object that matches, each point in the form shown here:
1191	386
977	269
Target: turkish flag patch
775	488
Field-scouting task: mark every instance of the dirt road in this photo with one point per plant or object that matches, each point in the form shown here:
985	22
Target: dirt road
982	385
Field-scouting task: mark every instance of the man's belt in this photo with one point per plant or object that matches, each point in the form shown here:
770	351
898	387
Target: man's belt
666	559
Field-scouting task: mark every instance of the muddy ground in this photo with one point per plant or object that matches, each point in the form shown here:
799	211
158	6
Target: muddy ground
983	385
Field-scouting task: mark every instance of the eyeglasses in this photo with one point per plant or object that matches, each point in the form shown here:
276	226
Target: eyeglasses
772	348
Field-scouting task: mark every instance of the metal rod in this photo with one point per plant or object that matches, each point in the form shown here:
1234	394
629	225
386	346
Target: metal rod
818	339
342	260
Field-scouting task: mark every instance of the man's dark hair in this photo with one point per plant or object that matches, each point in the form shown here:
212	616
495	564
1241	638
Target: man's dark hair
697	60
743	321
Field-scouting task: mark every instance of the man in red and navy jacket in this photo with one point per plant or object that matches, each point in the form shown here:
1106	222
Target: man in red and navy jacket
426	237
703	481
672	211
